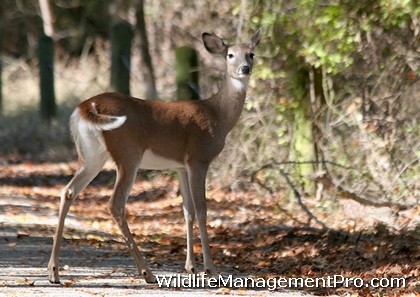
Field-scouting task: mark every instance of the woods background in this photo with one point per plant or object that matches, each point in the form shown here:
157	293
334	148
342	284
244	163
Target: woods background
335	92
331	122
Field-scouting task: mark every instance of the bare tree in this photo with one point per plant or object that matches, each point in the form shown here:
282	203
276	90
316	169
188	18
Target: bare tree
46	17
121	40
46	63
146	61
1	92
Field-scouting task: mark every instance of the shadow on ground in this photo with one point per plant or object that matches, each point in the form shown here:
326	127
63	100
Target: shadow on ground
243	245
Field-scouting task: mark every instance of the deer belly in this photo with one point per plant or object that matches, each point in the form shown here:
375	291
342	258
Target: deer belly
153	161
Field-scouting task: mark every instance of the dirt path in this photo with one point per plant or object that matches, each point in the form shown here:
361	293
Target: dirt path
250	237
89	269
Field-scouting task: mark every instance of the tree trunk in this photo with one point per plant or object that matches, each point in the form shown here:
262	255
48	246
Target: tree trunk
186	73
302	142
121	36
46	64
46	17
303	148
146	65
316	94
1	68
46	73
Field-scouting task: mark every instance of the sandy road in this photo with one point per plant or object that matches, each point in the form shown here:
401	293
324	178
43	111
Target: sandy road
25	243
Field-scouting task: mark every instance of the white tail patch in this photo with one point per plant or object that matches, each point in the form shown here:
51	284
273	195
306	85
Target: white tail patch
88	139
116	122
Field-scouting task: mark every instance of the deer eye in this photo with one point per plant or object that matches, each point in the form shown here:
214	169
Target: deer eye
251	56
230	56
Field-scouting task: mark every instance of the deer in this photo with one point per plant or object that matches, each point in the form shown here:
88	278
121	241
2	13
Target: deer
183	136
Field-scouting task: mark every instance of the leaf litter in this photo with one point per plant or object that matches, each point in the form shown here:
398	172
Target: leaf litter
249	232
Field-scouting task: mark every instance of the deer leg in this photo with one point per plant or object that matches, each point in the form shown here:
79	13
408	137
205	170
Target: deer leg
197	180
84	175
189	215
125	179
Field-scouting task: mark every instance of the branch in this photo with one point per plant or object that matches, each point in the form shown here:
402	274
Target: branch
298	197
329	182
293	229
296	193
346	193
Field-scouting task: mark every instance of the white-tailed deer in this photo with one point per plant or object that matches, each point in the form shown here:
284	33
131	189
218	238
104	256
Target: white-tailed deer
184	136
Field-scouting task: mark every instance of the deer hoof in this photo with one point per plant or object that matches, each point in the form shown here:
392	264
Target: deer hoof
211	272
149	277
53	276
191	269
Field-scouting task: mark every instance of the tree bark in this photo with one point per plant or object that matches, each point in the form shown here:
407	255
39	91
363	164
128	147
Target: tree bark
46	63
1	68
186	73
302	142
46	73
146	65
121	37
46	17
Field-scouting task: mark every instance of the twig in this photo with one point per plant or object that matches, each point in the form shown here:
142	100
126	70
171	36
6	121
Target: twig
328	181
401	172
296	193
299	199
345	193
262	185
294	229
286	212
312	162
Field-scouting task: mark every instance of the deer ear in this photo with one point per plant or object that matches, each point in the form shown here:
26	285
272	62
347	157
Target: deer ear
214	44
255	39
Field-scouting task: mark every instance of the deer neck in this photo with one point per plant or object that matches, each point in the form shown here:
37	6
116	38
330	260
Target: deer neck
229	102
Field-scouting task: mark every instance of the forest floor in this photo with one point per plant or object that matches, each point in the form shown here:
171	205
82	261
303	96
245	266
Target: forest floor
250	237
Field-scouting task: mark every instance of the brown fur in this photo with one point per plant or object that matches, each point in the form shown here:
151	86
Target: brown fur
174	130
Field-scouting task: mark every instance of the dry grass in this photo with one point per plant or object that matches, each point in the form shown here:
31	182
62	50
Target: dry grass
23	135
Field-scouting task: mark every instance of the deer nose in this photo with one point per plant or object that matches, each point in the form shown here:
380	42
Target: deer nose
245	69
